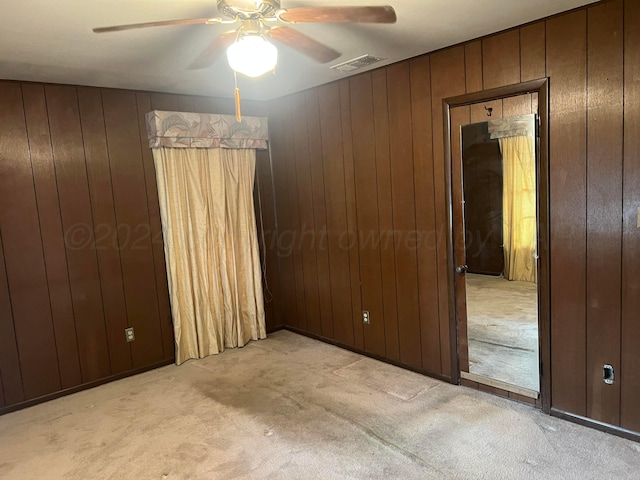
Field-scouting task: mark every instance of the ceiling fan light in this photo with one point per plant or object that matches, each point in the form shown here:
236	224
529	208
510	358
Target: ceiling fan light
252	55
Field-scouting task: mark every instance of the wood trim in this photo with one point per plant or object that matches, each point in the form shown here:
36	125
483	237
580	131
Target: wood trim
544	263
482	380
359	351
603	427
499	93
454	350
84	386
541	87
275	329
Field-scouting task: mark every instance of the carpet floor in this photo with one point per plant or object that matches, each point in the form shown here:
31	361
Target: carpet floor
502	325
289	407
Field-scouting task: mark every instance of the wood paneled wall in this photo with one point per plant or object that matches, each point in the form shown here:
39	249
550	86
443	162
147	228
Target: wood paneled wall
360	193
81	252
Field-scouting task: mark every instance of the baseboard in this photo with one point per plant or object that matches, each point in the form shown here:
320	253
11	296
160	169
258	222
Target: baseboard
84	386
275	329
603	427
491	382
380	358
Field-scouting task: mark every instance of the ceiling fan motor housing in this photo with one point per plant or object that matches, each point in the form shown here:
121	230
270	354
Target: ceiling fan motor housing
248	9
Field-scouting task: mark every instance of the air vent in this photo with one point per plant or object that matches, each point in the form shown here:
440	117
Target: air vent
357	63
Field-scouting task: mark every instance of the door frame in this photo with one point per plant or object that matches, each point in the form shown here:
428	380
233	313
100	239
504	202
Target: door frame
541	87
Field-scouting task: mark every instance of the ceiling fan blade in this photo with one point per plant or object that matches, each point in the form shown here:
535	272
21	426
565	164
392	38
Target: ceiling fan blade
303	44
385	14
191	21
210	54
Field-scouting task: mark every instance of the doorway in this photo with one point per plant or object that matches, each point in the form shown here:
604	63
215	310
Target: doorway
498	189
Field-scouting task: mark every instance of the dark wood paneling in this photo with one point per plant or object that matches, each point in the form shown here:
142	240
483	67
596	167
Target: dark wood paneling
473	66
425	213
186	103
334	174
106	227
364	158
630	368
53	238
2	402
447	79
294	219
165	101
284	241
252	107
556	47
23	254
604	207
350	240
134	242
319	211
203	104
479	113
308	232
404	215
516	106
501	59
385	214
567	66
267	236
143	102
227	106
10	374
81	252
80	230
532	52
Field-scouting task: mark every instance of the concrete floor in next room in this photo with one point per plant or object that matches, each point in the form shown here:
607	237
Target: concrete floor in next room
289	407
502	323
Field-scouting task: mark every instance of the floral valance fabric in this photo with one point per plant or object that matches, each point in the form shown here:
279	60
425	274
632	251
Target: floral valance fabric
205	130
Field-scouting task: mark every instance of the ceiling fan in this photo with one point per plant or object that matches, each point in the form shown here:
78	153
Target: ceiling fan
248	49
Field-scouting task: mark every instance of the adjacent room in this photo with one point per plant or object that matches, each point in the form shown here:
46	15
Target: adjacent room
310	239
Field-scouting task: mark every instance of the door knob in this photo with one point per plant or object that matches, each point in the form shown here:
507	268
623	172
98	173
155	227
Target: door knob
462	269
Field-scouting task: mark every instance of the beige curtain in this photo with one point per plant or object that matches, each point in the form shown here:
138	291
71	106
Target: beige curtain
519	208
211	248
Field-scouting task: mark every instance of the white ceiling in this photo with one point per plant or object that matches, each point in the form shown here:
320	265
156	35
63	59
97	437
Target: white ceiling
52	41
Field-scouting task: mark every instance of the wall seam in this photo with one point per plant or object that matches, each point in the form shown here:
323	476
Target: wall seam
44	260
115	215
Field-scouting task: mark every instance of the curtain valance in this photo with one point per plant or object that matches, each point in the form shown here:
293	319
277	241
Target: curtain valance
205	130
523	126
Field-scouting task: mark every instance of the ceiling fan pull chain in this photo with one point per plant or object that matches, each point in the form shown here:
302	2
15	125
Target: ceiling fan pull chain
237	98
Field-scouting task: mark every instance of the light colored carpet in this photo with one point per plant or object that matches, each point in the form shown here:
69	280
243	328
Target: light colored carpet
289	407
502	323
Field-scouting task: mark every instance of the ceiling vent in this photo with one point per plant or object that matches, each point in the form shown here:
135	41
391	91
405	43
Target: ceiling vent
357	63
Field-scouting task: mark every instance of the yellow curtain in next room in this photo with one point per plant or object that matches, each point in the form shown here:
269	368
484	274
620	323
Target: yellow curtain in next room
519	208
211	248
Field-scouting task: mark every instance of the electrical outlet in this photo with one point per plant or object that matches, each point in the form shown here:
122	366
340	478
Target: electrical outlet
129	334
366	318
